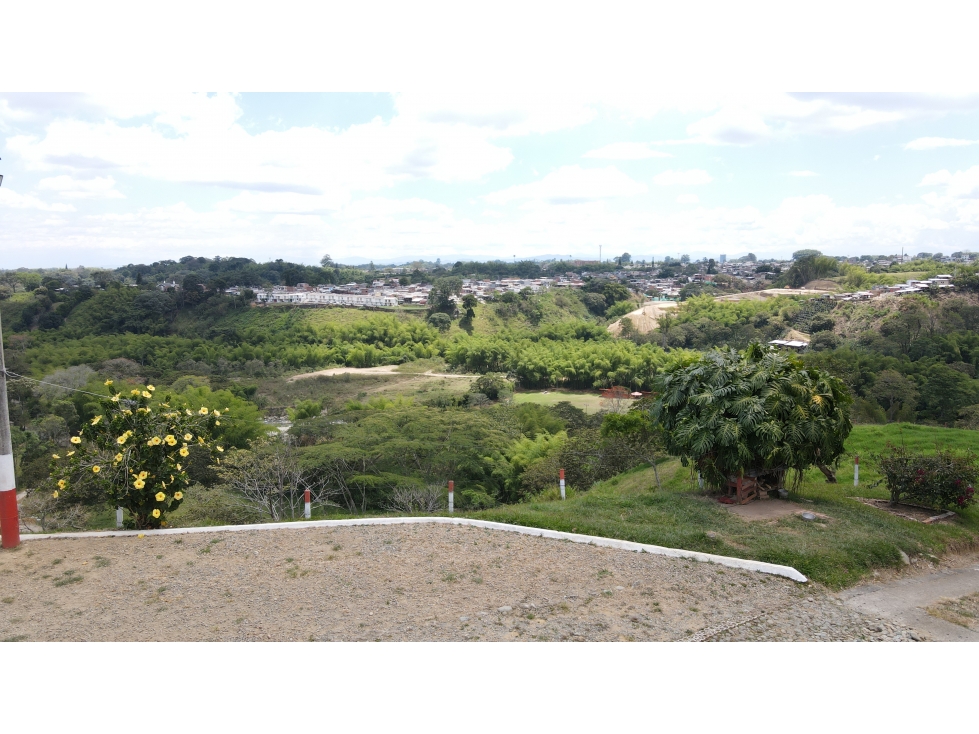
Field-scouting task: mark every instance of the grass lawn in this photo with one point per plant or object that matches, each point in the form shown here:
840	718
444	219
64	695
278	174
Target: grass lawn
588	402
855	540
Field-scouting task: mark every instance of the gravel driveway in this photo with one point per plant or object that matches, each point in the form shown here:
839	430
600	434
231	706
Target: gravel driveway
395	582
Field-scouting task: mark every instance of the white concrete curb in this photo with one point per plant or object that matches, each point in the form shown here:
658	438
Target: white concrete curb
759	566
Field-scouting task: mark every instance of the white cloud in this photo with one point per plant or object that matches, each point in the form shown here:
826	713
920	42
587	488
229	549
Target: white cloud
626	152
803	174
733	125
498	115
197	139
747	119
936	179
572	185
100	187
693	177
688	199
13	200
932	143
958	185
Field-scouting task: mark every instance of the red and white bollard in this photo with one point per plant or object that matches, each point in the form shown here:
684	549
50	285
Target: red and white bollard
452	486
856	470
307	513
562	483
9	519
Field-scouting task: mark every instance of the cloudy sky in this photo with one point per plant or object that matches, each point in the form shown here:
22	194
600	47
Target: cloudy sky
109	180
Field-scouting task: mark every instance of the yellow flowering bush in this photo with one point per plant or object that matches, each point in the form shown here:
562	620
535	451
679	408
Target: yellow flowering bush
128	454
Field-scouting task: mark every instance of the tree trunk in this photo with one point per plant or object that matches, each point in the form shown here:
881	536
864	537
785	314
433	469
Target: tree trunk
828	473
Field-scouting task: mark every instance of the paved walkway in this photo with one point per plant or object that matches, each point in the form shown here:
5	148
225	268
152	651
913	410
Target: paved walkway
905	600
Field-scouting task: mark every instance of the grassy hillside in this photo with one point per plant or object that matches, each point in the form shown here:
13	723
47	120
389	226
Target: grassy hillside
838	552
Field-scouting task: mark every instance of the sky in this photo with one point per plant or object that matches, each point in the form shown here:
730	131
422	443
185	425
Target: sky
111	179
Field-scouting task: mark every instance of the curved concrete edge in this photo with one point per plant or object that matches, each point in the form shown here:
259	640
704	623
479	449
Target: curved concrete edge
759	566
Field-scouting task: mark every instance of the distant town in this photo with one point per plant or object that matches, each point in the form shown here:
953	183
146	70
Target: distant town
666	279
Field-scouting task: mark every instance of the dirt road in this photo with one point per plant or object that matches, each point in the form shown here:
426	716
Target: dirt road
404	582
391	369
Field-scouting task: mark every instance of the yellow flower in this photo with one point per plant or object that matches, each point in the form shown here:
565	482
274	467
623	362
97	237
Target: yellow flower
147	394
157	440
96	419
75	440
217	413
150	388
55	456
141	535
184	452
62	484
107	382
143	475
217	423
55	494
115	398
160	496
134	392
70	453
122	439
118	458
178	495
203	410
188	436
171	441
96	469
127	411
200	440
155	513
179	467
189	412
221	449
139	484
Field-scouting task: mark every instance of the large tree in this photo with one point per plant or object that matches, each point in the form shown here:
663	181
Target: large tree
757	411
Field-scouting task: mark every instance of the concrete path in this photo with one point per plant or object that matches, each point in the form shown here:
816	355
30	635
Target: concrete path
905	600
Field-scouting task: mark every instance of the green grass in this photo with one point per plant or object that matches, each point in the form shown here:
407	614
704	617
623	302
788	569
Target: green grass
838	553
588	402
870	439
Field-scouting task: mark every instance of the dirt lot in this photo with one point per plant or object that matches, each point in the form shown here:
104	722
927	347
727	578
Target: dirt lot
415	582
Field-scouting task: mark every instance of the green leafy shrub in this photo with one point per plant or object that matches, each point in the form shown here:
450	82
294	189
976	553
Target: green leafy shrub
758	410
305	409
942	479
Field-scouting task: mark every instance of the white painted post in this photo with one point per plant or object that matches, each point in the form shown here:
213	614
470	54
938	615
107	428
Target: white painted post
700	481
451	493
118	517
562	483
307	512
856	470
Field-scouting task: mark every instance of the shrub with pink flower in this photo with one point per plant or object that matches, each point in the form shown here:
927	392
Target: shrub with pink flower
943	479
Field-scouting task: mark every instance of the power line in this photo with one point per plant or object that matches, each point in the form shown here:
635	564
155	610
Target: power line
63	387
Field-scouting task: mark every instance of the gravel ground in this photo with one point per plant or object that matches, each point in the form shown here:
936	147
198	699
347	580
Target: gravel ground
414	582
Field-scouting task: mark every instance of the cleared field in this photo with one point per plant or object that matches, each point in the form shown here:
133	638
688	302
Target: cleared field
588	402
771	293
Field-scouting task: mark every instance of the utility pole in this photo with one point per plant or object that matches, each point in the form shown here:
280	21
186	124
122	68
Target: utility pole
9	519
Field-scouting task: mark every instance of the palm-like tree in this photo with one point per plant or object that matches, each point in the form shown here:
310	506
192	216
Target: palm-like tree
759	411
